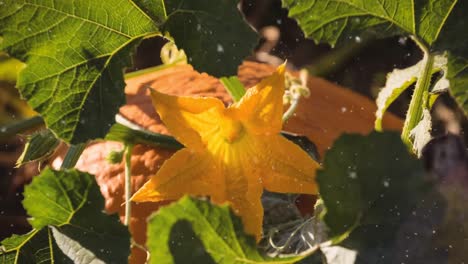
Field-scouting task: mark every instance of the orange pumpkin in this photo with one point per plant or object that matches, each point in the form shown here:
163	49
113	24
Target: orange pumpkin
329	111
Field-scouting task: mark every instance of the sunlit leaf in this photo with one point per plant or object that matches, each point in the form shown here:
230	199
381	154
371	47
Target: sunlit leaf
66	209
75	53
332	21
440	25
195	231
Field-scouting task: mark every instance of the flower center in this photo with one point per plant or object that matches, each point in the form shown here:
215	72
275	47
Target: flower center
231	130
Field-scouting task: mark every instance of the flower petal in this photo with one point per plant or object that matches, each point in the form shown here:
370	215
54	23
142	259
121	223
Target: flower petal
288	168
262	105
186	172
240	181
249	207
189	119
243	192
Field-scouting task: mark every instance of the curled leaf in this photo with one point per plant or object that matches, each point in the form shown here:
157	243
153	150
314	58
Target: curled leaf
40	146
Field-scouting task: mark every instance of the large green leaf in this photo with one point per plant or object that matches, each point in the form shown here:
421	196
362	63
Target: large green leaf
66	209
372	188
452	39
75	52
195	231
358	171
332	21
214	36
440	25
458	77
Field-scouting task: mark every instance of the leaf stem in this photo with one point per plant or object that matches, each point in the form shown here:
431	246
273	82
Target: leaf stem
234	87
128	183
72	156
127	132
420	44
20	126
420	93
147	70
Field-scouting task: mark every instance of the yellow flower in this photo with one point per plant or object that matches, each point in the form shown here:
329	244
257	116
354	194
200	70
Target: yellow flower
231	153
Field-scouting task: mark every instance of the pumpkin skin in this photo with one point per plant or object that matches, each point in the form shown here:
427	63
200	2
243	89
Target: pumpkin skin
328	112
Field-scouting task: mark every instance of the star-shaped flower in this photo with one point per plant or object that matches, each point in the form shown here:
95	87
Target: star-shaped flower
231	153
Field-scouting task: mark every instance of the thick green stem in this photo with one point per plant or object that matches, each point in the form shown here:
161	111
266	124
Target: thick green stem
128	183
337	58
147	70
234	87
72	156
418	99
20	126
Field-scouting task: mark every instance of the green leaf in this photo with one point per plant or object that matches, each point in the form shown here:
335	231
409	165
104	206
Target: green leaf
66	209
401	79
458	78
215	37
371	187
195	231
75	52
453	39
234	86
437	25
40	145
332	21
363	177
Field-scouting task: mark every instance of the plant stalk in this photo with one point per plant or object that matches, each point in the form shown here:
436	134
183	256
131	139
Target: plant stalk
128	183
20	126
147	70
415	110
72	156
